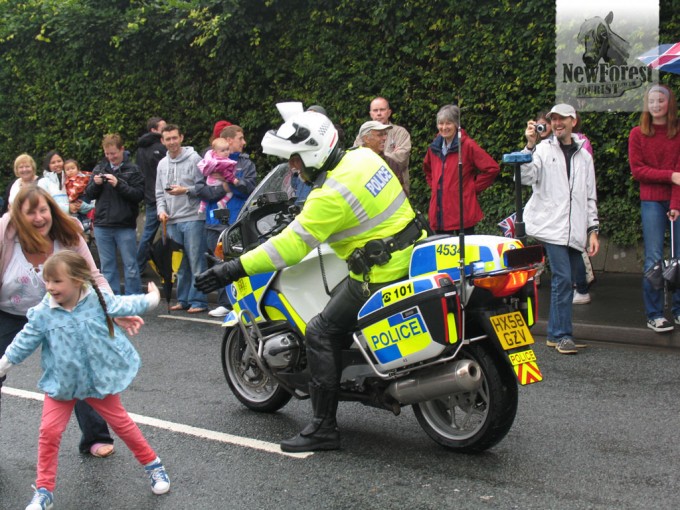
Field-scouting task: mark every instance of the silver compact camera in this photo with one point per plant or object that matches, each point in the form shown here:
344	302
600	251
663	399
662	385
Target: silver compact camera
540	128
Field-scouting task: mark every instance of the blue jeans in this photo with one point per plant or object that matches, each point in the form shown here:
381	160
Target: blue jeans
654	226
563	262
212	237
191	235
151	225
580	279
125	241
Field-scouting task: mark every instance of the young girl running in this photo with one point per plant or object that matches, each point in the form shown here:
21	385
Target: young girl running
83	357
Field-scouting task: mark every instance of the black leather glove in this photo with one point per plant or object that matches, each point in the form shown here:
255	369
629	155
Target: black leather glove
220	275
211	260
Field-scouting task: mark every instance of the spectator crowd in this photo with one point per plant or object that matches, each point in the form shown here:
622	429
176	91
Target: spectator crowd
193	196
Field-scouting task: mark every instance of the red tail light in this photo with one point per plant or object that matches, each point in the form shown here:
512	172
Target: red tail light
504	284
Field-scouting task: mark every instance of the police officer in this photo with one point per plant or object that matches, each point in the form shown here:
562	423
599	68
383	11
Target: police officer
358	206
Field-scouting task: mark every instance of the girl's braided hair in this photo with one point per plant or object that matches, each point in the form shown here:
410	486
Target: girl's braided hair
76	268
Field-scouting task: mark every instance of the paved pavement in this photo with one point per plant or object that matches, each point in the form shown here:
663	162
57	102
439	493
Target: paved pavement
615	314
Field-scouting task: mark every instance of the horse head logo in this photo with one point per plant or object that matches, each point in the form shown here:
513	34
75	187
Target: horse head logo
602	43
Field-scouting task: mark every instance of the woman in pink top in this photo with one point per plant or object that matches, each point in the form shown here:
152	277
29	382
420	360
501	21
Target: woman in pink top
35	228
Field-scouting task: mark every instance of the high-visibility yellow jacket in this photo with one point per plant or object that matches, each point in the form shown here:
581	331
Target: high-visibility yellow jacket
360	200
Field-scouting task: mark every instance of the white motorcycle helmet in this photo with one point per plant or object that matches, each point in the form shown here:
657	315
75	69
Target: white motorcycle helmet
310	135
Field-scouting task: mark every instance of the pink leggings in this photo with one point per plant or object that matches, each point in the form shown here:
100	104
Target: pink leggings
55	417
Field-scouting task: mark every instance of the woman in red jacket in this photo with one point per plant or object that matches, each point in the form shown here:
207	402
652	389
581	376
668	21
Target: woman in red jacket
441	172
653	152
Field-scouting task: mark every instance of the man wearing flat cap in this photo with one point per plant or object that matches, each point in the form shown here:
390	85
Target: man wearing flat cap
561	213
373	135
397	150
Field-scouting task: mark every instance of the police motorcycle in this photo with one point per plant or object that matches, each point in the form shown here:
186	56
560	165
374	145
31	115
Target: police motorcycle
451	340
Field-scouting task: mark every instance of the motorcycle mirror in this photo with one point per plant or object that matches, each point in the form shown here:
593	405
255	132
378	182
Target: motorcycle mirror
232	241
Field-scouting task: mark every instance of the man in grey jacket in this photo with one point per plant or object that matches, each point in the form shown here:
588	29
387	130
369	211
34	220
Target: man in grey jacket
561	213
176	180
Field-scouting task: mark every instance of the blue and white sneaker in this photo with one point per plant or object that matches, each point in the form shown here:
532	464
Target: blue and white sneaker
160	483
42	500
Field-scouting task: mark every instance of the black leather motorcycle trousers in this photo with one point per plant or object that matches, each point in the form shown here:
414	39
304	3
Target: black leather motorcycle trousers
330	332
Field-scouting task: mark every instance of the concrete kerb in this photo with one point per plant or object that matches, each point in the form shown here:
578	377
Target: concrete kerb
616	335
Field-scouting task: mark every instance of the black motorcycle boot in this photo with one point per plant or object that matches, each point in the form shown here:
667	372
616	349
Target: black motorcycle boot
322	433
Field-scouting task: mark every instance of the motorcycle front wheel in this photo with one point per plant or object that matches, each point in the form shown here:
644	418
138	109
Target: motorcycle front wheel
475	421
253	388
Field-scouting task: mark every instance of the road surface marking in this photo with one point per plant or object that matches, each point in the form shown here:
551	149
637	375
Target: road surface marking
191	319
246	442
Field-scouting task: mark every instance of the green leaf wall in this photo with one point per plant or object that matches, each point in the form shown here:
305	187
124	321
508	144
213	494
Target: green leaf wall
72	70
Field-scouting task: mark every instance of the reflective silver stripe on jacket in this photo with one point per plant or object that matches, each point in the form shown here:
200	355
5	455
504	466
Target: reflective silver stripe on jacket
365	223
308	238
274	255
350	198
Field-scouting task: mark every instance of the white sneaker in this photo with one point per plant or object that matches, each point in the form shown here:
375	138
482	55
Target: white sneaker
581	299
160	483
660	325
220	311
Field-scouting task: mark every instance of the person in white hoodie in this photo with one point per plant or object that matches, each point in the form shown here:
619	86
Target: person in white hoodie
177	203
561	213
53	179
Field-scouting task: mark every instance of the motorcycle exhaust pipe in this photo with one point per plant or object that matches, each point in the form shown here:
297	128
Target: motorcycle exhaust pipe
457	377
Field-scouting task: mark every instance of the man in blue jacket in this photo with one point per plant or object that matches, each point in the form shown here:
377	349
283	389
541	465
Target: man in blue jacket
245	180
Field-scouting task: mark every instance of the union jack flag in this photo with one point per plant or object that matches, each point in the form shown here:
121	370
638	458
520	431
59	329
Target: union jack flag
664	58
508	225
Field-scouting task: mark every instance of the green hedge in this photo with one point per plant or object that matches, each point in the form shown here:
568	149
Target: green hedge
72	70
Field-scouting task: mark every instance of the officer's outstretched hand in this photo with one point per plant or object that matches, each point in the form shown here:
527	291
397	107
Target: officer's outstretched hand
220	275
211	260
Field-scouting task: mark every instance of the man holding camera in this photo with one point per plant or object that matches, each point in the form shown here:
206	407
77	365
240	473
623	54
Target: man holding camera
561	213
118	187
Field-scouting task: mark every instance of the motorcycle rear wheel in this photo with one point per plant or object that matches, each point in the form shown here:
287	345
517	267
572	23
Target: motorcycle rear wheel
247	382
473	422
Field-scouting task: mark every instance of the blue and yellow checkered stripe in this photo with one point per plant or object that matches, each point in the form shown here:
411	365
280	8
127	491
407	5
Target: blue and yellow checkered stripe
246	293
397	336
376	301
443	258
277	307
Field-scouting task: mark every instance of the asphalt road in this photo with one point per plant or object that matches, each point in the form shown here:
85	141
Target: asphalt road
601	431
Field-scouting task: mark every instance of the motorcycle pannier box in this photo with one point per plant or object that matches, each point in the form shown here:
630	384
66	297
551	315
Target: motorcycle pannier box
410	321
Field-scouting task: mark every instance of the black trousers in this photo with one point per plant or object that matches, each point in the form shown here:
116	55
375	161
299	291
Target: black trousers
329	332
93	426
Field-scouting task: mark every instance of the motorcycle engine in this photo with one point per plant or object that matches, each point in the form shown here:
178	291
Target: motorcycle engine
282	350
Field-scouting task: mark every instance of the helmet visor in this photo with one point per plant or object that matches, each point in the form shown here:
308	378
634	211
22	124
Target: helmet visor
282	142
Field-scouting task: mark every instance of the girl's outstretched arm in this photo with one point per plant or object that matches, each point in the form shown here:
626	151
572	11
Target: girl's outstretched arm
5	365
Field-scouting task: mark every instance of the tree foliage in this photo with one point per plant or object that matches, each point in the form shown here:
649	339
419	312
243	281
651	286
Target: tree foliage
72	70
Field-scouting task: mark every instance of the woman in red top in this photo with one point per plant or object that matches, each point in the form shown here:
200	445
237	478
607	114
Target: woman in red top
653	152
441	172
